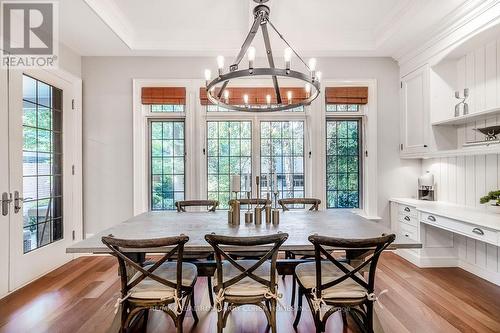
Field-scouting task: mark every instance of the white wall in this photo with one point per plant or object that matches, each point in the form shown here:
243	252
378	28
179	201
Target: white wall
107	127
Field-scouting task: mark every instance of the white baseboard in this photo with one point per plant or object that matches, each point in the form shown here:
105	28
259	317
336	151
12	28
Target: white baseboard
425	262
493	277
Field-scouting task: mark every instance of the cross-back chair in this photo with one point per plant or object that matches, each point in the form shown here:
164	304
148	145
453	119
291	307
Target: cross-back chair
335	285
240	282
260	202
210	204
284	203
161	285
193	256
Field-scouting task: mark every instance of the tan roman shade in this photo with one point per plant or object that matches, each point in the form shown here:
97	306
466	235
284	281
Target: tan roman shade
164	95
346	95
256	96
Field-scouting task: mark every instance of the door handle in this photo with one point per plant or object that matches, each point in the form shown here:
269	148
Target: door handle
431	218
17	202
407	218
407	209
6	199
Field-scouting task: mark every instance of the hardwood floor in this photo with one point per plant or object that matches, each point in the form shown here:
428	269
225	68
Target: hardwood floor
80	297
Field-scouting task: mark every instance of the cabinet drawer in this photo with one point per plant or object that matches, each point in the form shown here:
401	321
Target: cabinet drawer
408	231
408	219
466	229
407	210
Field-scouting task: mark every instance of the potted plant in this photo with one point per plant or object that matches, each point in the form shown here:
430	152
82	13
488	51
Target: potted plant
493	198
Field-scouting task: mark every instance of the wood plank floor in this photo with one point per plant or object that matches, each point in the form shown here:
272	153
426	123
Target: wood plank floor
80	297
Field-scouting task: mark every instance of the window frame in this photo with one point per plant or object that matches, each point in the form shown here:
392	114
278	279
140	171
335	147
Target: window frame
314	117
355	117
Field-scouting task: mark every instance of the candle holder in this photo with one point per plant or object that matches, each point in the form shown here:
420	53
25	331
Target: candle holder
235	209
248	213
267	208
276	211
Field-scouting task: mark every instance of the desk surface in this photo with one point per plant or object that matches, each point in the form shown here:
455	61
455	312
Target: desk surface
298	224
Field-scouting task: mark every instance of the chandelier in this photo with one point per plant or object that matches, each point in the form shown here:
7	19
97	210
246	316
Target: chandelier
216	88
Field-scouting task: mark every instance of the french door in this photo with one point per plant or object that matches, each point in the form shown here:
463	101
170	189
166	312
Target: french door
44	194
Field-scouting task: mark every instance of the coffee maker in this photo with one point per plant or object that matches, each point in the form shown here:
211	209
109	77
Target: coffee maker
426	187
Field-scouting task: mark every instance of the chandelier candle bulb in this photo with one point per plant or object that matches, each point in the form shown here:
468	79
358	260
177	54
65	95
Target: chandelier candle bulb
220	64
251	56
268	99
226	96
208	75
288	58
308	90
318	76
245	99
289	96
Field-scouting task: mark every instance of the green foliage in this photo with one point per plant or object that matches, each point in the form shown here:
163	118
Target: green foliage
492	196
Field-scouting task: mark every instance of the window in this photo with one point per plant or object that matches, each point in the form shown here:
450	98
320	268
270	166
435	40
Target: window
282	151
42	164
343	163
167	108
342	107
167	163
229	152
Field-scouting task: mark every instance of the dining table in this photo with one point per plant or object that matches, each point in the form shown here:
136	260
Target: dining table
298	224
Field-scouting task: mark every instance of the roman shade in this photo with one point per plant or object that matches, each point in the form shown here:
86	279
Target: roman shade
163	95
346	95
256	95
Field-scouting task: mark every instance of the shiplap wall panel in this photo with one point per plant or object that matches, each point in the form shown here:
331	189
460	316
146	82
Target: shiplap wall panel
479	80
463	180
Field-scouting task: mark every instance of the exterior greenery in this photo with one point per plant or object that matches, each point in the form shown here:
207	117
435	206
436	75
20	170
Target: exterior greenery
167	164
42	164
342	163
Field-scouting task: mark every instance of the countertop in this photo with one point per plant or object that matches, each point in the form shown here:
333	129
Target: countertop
476	216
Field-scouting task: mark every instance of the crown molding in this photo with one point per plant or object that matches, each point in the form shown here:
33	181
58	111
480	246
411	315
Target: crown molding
458	19
114	18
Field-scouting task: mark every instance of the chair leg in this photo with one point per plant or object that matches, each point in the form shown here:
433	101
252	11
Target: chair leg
179	325
210	291
145	320
344	317
369	317
294	286
124	316
273	316
299	309
220	320
193	308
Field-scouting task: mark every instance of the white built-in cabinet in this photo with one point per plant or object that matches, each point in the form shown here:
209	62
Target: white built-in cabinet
429	127
414	99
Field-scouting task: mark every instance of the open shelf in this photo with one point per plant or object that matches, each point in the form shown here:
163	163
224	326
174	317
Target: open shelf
465	151
481	115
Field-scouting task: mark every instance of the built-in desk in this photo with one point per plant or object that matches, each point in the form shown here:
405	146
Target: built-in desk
450	234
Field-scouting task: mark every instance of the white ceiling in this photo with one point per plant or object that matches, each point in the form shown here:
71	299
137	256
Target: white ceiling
208	28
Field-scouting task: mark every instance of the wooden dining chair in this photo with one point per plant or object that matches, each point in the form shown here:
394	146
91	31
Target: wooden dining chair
338	286
240	282
299	201
260	202
162	285
284	203
210	204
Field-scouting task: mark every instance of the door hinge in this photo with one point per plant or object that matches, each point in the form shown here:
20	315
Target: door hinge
72	104
401	146
73	234
366	153
401	84
73	169
204	151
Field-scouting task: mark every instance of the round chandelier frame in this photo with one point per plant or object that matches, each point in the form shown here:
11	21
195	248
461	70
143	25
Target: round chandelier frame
220	96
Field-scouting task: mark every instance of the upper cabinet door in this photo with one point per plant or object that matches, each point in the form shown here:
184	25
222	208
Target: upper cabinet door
415	111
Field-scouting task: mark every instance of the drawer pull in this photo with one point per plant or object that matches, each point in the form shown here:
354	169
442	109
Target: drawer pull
407	209
407	218
431	218
478	231
406	235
